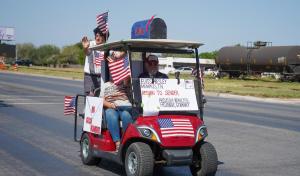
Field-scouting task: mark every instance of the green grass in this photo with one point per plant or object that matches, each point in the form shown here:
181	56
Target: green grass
254	87
73	73
249	86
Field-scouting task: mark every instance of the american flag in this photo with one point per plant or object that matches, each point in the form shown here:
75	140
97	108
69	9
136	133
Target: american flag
119	69
69	107
102	22
171	127
99	57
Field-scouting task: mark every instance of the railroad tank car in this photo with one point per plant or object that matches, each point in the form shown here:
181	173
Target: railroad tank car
238	60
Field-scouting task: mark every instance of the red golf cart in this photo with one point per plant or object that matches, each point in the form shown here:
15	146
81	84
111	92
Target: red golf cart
145	143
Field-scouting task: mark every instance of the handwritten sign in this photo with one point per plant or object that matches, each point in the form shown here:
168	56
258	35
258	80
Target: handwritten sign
93	115
167	95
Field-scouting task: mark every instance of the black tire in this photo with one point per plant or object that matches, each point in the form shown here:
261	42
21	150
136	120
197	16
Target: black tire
86	152
207	161
139	160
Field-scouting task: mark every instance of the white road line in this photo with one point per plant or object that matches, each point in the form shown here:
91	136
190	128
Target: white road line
239	123
41	103
15	99
32	96
50	81
32	88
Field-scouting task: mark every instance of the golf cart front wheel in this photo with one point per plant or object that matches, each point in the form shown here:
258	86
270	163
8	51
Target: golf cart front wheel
139	160
207	161
86	151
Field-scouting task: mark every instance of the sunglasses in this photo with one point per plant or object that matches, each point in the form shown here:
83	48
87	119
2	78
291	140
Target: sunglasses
152	63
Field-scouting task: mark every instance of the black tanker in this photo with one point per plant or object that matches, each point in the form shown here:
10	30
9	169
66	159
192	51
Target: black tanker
244	60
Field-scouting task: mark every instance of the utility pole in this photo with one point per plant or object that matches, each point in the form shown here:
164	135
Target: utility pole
16	53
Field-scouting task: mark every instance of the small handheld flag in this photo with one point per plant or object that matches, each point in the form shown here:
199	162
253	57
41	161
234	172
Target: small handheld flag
119	69
69	105
102	22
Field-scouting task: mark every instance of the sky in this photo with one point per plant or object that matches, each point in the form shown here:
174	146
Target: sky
216	23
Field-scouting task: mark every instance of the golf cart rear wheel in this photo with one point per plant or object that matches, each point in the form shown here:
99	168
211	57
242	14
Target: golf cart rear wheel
139	160
86	151
207	161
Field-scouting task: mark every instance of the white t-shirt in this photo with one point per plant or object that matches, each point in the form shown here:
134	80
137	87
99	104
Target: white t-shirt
97	63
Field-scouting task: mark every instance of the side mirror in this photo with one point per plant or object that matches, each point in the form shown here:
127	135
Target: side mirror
177	74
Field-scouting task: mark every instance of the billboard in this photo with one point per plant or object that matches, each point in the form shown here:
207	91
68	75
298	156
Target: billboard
8	51
7	33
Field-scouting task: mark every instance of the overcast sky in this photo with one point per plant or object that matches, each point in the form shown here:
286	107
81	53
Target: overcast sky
216	23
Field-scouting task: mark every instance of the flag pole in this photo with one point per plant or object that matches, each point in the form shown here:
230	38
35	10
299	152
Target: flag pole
107	31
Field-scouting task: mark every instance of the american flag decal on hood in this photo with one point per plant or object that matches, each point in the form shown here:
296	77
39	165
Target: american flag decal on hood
171	127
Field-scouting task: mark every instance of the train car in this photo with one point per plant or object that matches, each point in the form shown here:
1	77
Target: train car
239	60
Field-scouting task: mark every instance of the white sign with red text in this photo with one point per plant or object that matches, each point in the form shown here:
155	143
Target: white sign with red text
93	115
167	95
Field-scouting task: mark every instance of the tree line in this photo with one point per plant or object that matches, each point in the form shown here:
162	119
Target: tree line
46	55
204	55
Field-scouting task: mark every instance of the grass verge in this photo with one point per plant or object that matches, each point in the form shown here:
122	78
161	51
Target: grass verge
251	86
72	73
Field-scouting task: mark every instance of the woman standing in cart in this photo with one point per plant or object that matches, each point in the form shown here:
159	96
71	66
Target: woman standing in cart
92	65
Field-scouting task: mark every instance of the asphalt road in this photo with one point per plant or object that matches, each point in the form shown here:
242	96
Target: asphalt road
251	137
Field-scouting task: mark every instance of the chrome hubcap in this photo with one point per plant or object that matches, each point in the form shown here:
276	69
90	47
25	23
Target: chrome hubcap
132	163
85	148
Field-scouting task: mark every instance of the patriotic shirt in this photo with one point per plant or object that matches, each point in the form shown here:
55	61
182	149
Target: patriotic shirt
116	94
172	127
97	57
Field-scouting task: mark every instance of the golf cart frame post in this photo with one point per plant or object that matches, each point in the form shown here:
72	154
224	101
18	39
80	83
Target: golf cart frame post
76	116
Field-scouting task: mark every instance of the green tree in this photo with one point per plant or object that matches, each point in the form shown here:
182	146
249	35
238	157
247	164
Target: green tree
72	54
178	55
81	54
46	55
26	51
209	55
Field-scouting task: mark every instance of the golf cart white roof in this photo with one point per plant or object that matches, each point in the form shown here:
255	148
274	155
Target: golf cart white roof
148	43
